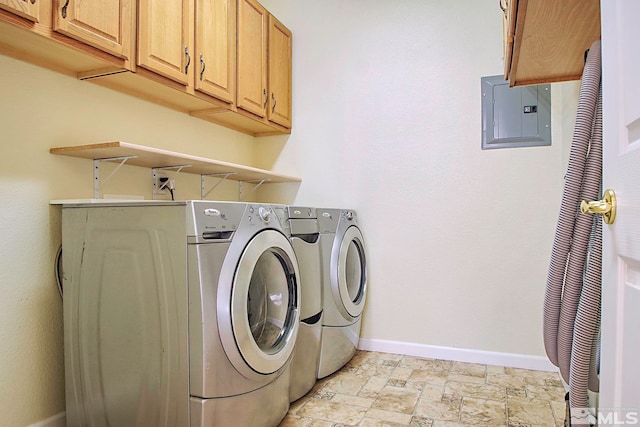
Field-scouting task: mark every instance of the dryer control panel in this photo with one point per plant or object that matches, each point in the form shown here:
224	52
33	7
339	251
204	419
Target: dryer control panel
328	220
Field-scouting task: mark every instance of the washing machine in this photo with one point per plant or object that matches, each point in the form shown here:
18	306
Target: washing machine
344	287
304	233
177	314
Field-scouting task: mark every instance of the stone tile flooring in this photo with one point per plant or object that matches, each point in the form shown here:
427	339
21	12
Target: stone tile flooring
390	390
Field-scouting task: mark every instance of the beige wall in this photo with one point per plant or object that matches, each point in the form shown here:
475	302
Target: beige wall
386	120
39	110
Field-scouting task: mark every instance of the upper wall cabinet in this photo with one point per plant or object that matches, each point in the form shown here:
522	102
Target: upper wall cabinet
29	9
225	61
263	103
73	37
252	57
191	43
279	73
104	24
264	64
215	48
165	38
545	40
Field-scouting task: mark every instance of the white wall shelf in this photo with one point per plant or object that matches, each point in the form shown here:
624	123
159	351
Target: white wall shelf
154	158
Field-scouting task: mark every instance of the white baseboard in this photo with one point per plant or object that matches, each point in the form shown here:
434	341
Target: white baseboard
511	360
58	420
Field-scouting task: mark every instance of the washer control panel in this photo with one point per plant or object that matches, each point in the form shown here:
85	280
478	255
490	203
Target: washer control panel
264	214
212	212
215	220
258	214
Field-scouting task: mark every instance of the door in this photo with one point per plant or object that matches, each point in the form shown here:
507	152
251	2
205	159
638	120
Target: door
349	273
29	9
264	306
279	73
165	34
620	370
104	24
216	48
252	57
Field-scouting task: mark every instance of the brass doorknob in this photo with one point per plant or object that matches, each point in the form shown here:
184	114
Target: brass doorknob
605	207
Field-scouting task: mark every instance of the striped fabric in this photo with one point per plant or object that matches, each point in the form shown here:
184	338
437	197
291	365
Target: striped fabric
572	299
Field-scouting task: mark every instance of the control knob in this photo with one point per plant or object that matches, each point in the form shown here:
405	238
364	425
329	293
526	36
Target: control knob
264	214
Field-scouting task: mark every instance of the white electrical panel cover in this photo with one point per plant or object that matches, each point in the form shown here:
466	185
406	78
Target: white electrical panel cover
514	116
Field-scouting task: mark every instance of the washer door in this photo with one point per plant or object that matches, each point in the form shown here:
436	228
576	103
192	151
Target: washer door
349	273
264	312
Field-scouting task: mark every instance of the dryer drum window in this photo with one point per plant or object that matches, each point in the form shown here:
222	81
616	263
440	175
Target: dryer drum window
355	270
271	301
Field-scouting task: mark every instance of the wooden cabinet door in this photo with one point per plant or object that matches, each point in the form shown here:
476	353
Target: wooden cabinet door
216	48
29	9
279	73
252	57
165	34
104	24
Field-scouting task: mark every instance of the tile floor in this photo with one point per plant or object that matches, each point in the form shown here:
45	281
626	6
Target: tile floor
390	390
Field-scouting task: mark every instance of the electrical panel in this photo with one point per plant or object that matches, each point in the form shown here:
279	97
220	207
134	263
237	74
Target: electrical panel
514	116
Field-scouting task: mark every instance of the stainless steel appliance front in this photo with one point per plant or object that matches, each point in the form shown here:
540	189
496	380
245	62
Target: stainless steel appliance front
178	314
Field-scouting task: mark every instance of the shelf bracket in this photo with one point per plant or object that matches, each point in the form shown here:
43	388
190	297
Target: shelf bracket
252	181
96	172
203	189
154	175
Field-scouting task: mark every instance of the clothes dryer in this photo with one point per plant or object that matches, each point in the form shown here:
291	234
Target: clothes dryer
305	238
344	286
177	314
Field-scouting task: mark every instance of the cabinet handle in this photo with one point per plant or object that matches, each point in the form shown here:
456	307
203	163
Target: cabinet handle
203	66
64	9
266	98
273	98
33	1
504	8
186	52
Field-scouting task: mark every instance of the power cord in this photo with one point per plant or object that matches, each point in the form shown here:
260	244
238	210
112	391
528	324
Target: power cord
169	184
172	186
58	270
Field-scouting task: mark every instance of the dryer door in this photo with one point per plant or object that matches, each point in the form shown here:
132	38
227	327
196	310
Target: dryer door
349	272
264	306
